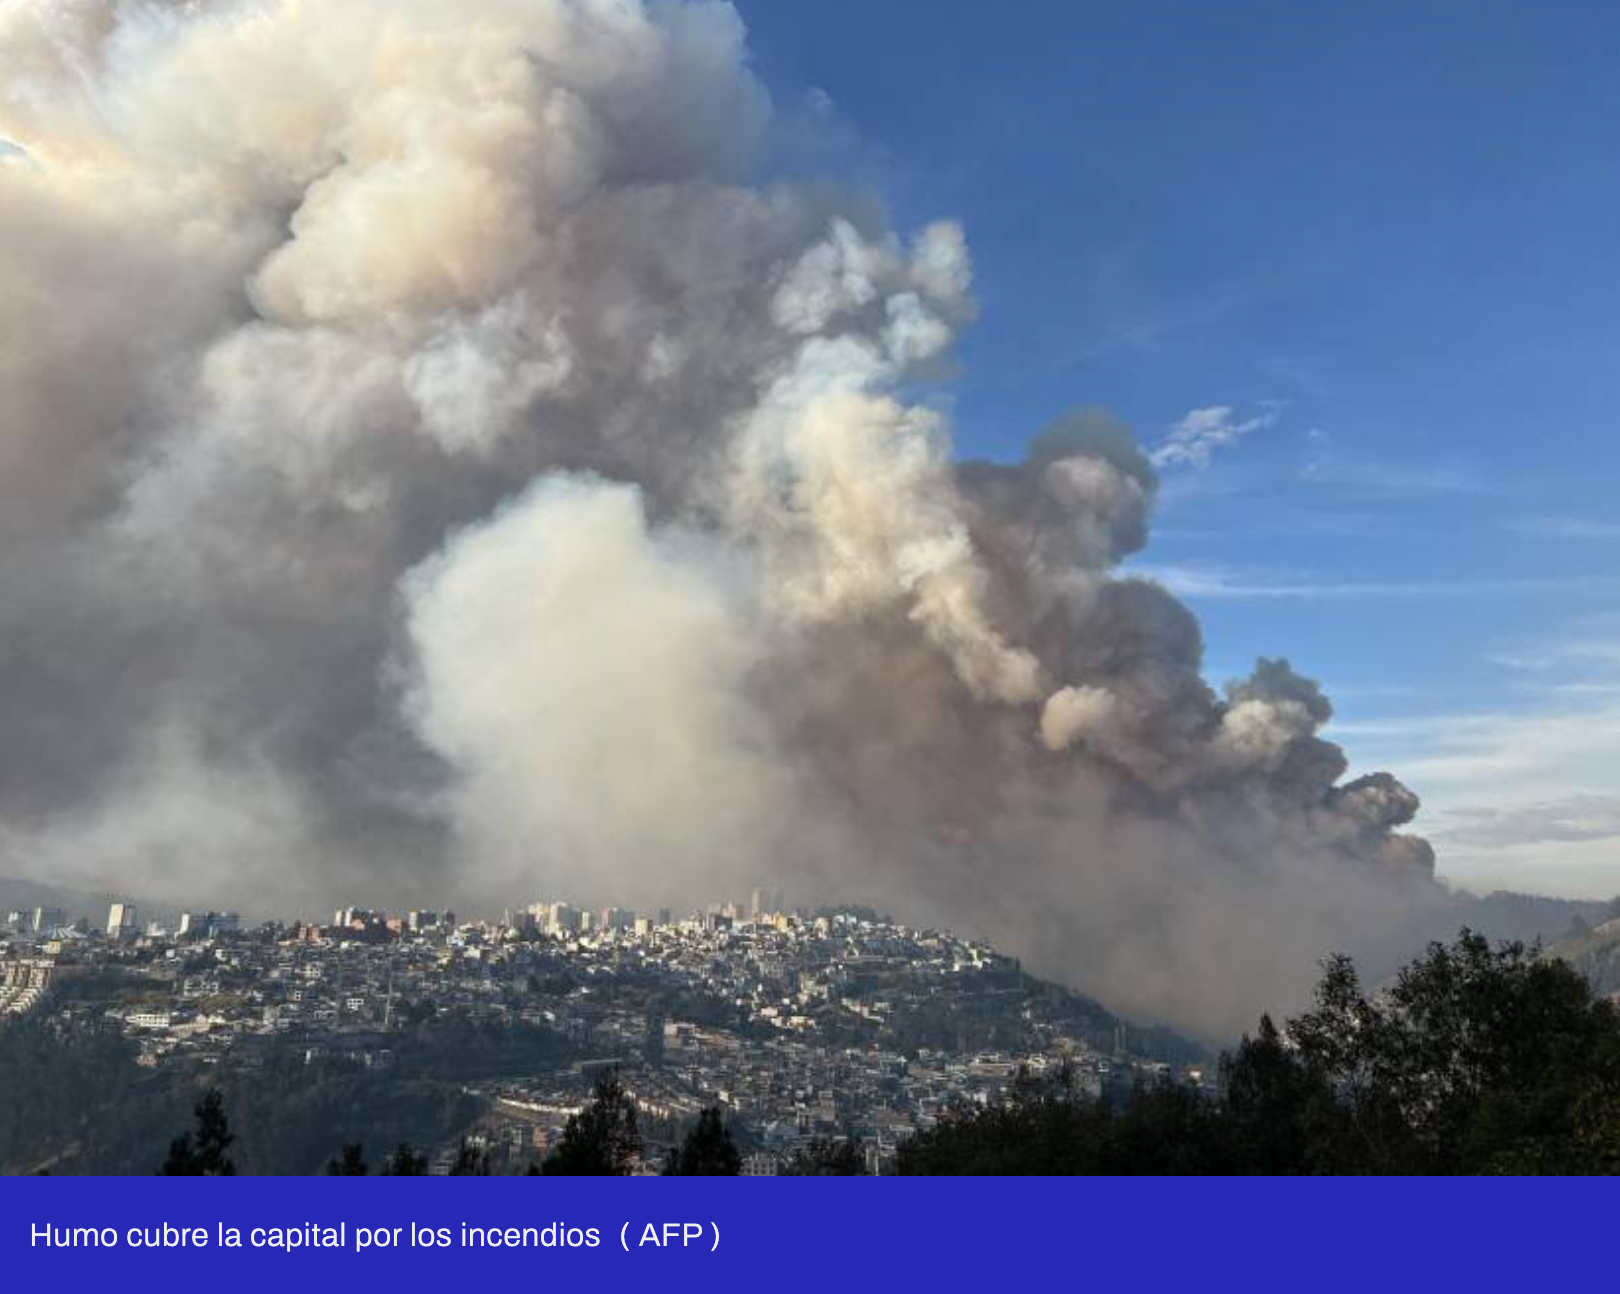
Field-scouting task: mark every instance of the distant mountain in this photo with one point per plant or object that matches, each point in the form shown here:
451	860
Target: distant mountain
1595	953
1525	917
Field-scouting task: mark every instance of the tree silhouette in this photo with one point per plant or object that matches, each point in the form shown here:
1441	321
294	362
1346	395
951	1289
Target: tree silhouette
404	1162
603	1139
824	1157
205	1153
349	1163
1277	1110
706	1151
1477	1059
470	1161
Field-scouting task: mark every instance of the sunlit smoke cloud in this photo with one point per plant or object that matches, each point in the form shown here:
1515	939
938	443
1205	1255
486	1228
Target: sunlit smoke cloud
436	465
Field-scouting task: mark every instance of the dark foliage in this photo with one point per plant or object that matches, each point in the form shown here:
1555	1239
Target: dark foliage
77	1102
824	1157
57	1112
205	1152
404	1162
350	1162
603	1139
1478	1059
705	1151
470	1161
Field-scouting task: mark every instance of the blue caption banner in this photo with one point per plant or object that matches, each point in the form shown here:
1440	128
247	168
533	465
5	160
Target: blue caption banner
947	1234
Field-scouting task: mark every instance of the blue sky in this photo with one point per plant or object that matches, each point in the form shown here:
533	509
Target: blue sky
1373	252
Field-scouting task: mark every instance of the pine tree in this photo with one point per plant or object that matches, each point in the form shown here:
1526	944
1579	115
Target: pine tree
181	1161
707	1150
603	1139
470	1161
349	1163
404	1162
204	1154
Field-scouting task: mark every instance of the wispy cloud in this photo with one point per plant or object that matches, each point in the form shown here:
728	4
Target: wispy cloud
1382	479
1522	799
1197	436
1585	651
1573	818
1553	656
1281	522
1568	528
1220	582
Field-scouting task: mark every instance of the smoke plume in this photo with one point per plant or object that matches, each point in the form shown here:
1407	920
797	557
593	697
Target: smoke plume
437	464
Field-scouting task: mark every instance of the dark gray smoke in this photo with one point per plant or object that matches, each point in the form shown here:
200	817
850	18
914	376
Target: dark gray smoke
430	467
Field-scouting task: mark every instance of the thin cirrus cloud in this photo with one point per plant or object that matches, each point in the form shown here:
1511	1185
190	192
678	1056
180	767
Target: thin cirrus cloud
1496	758
1585	651
1520	795
1234	583
1570	820
1380	479
1512	799
1568	528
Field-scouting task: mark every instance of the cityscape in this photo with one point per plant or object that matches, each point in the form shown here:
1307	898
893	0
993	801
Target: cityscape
842	1026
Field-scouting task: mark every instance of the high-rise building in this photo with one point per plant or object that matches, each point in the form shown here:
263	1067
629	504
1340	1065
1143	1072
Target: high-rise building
561	919
122	921
209	924
46	919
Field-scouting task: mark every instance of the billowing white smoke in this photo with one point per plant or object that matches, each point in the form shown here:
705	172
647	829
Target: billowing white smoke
431	466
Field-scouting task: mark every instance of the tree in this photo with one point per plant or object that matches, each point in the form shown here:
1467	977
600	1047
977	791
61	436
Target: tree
1479	1058
349	1163
470	1161
706	1151
1041	1127
404	1162
824	1157
1165	1128
603	1139
1280	1115
205	1153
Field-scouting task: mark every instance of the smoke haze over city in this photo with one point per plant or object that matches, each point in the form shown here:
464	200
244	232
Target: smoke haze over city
440	464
